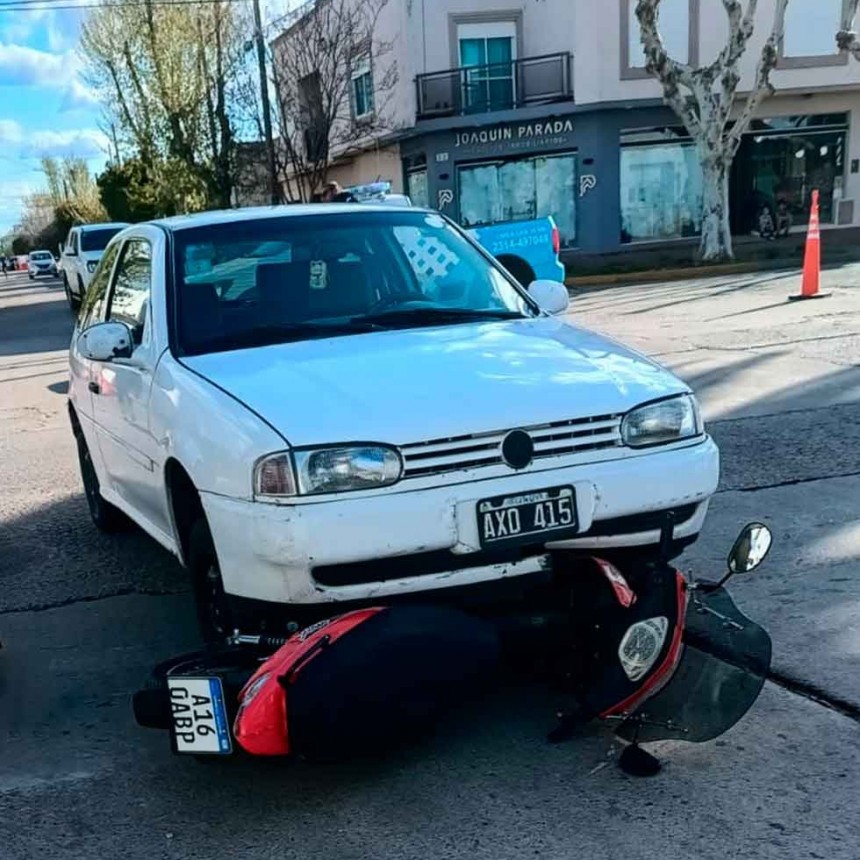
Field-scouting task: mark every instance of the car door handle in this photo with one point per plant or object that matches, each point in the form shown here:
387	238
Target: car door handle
95	387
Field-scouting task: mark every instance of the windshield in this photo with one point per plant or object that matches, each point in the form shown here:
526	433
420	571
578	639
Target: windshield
41	255
250	283
97	240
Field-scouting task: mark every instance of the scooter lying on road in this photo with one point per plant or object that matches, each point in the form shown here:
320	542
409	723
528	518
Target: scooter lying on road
649	652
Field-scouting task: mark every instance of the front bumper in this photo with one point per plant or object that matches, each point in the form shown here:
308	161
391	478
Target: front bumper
276	553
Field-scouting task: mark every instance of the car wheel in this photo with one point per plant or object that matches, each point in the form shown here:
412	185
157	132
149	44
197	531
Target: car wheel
74	303
519	268
104	515
218	614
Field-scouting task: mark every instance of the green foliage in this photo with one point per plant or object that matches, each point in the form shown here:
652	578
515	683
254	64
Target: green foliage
21	245
134	191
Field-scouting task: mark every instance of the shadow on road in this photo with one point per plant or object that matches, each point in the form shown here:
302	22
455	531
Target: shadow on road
26	329
53	555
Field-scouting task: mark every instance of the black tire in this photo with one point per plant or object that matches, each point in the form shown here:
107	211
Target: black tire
519	268
74	302
31	276
218	614
104	515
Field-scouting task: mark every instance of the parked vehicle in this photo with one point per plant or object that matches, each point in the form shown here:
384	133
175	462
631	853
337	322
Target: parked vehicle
653	654
80	256
529	250
41	263
325	404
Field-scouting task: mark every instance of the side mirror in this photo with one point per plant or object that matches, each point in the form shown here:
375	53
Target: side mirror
105	341
551	296
750	549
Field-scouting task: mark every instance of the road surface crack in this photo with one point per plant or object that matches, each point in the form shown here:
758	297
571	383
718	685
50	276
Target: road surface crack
94	598
789	482
816	694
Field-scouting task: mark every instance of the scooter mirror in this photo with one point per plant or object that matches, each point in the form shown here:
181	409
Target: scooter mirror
750	549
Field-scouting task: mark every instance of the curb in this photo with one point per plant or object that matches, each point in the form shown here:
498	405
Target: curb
680	274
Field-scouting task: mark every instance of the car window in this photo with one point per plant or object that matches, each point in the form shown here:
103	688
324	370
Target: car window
97	240
131	287
302	273
94	304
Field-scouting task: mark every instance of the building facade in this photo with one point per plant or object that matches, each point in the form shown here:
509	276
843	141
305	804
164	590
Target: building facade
514	109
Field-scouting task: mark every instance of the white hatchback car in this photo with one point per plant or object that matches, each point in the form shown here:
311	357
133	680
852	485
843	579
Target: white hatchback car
332	404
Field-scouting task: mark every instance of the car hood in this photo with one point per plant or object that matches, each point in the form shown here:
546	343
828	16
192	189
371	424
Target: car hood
419	384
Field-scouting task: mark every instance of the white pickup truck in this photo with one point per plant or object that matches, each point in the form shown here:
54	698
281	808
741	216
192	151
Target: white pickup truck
80	255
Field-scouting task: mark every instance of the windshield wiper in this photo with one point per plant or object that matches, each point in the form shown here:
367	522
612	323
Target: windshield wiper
433	316
268	335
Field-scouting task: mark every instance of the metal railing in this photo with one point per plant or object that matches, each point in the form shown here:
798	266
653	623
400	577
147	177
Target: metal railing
495	87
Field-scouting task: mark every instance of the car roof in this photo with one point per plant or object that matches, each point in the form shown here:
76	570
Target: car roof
115	225
40	251
259	213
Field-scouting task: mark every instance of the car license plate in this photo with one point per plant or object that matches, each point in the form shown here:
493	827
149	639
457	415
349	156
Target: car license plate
540	514
200	723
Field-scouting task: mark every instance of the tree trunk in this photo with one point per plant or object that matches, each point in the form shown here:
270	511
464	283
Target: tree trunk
716	244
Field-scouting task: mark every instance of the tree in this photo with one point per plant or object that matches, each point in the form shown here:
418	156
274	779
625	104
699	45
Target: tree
163	72
704	98
847	38
315	65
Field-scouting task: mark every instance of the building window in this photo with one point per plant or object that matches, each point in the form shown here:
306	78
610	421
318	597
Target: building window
661	192
810	34
678	25
417	188
362	89
521	190
777	169
487	54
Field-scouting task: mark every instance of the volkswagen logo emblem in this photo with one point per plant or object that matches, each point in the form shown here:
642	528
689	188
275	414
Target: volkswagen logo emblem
518	450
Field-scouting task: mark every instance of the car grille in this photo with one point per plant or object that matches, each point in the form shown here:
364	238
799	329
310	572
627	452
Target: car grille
485	449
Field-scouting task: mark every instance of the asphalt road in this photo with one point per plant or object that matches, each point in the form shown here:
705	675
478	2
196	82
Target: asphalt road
84	617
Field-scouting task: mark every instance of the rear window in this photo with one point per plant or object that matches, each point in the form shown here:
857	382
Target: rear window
40	255
97	240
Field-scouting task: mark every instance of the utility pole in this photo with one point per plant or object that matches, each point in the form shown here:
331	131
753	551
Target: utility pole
274	191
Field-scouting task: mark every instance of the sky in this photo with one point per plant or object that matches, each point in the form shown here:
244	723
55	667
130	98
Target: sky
45	107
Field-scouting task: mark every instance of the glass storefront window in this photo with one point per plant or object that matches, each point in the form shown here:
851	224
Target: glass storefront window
661	192
416	188
521	190
780	172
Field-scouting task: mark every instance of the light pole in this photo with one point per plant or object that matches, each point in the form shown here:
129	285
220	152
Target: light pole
274	191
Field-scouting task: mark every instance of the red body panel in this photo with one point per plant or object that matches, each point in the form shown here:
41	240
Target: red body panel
261	726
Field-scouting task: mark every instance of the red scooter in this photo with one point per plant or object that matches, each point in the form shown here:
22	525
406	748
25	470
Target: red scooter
636	645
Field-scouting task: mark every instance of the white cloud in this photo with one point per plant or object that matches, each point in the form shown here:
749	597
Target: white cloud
78	142
23	66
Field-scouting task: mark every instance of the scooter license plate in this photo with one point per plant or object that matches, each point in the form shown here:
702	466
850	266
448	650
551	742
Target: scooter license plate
540	515
200	724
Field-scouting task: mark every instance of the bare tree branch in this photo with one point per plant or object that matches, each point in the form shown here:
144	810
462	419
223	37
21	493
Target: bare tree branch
847	38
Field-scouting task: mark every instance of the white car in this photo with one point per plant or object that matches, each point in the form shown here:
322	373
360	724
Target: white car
80	256
330	404
41	263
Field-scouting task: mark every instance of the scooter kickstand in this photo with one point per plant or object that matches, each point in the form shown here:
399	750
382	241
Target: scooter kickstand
635	761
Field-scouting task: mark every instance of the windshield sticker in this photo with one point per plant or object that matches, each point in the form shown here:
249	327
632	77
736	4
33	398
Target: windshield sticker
434	221
319	275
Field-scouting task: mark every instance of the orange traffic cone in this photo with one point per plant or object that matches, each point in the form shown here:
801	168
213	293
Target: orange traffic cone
812	257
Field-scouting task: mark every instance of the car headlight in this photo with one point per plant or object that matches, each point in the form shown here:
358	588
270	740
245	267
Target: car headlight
92	265
662	422
641	646
327	470
337	470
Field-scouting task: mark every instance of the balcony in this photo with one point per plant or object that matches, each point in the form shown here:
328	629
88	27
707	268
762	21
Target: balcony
497	87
